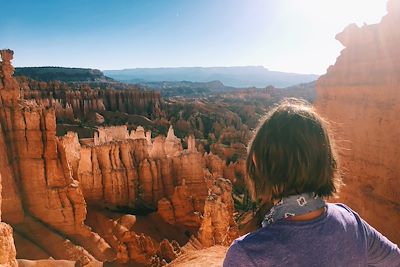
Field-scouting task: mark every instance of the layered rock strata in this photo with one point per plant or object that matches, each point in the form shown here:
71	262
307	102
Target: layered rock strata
38	177
49	181
7	248
360	95
134	171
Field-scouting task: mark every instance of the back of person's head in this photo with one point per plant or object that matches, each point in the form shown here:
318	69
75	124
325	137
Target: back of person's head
291	153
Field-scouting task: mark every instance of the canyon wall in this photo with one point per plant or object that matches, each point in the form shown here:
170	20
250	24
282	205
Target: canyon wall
128	169
50	183
37	178
7	248
39	168
360	95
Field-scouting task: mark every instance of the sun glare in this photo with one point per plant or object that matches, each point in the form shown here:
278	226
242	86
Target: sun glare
344	11
309	30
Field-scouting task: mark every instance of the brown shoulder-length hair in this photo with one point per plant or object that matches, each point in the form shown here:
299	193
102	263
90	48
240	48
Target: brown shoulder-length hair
291	153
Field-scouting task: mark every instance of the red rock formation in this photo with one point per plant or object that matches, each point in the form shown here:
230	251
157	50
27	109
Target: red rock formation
7	248
180	209
360	94
218	226
191	167
172	145
53	196
39	175
216	165
12	207
76	100
130	245
9	94
169	250
128	169
49	180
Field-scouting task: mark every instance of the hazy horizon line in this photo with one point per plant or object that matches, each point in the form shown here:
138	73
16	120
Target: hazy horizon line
170	67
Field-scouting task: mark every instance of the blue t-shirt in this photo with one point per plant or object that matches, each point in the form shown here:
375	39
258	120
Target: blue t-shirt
339	237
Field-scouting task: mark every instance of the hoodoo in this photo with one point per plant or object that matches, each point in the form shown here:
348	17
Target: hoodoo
59	186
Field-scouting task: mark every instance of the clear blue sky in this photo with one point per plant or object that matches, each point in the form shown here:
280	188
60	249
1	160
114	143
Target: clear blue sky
285	35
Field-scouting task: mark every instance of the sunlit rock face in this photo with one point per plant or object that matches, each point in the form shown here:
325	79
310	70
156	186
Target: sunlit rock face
218	226
37	176
40	168
128	169
8	91
55	178
360	95
7	248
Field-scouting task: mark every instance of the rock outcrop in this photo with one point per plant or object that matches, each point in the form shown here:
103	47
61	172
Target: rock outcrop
40	167
131	245
360	94
218	226
7	248
38	173
122	168
50	182
180	208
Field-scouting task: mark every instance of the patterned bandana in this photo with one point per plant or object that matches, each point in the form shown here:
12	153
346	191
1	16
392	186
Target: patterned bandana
291	206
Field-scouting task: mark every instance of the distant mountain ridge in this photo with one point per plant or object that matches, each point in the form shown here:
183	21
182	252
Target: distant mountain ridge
62	74
247	76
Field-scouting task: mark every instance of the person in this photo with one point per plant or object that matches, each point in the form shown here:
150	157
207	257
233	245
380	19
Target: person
291	164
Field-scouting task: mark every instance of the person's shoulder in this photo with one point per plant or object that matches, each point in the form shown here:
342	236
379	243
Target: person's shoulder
342	209
344	215
237	255
243	249
258	240
253	237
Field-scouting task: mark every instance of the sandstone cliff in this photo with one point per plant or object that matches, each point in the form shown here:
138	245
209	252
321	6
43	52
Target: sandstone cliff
122	168
7	248
50	183
128	169
39	166
38	177
360	94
